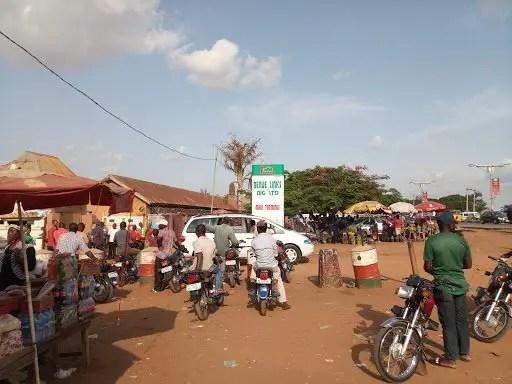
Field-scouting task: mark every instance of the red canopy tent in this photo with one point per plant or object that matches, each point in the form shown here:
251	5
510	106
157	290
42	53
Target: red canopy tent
36	190
44	190
430	206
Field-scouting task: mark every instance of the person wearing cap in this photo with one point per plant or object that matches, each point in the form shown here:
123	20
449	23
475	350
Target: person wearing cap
265	249
11	260
446	256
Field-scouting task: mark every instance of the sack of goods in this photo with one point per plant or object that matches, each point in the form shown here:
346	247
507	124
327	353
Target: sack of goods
44	316
86	305
10	335
66	316
63	270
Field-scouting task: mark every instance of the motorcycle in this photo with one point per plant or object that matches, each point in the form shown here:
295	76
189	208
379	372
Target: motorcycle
232	264
174	268
284	262
127	270
491	318
266	296
105	283
201	287
398	346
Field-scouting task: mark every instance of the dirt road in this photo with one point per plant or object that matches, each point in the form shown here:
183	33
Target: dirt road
324	338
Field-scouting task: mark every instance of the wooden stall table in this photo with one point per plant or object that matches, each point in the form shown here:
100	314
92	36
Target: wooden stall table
11	366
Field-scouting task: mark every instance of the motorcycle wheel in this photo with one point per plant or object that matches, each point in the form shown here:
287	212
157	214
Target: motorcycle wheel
263	307
103	292
495	328
174	284
201	307
220	301
231	279
388	343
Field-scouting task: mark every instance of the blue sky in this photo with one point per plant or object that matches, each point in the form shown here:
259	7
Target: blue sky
412	89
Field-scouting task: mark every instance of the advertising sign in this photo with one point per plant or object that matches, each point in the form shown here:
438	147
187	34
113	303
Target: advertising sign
268	191
495	186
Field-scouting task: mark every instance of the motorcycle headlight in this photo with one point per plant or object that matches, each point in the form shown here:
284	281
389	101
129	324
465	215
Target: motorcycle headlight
405	292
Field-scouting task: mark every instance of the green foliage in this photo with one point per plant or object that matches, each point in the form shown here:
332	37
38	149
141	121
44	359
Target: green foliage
459	202
324	188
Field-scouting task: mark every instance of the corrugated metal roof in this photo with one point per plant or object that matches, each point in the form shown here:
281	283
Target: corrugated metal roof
29	162
159	194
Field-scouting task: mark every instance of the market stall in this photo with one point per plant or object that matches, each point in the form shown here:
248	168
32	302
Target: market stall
36	318
366	207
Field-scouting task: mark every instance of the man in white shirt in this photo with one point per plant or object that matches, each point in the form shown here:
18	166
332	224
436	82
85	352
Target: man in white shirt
205	252
111	241
71	242
265	248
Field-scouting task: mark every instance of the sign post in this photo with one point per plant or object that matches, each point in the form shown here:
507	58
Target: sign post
268	191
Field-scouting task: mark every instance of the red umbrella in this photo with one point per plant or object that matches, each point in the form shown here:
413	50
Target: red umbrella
50	191
430	206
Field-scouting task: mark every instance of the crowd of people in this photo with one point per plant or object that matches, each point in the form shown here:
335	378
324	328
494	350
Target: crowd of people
334	228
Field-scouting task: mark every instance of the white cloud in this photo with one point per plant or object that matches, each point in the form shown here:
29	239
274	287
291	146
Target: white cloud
291	111
341	75
222	66
79	33
376	142
500	9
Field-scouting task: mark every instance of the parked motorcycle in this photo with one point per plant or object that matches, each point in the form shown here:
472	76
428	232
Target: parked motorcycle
105	283
491	318
201	287
398	346
174	269
126	268
266	296
284	262
232	263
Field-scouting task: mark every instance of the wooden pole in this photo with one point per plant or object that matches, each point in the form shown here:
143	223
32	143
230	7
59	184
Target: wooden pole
29	296
412	257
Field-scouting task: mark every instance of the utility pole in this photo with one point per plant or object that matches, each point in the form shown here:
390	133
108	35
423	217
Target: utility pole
491	169
467	199
214	177
420	185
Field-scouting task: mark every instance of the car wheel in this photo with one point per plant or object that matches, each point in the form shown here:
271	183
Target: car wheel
293	253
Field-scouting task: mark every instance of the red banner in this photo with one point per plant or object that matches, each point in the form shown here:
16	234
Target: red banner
495	186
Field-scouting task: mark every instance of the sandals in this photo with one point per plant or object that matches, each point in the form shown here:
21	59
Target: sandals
466	358
444	362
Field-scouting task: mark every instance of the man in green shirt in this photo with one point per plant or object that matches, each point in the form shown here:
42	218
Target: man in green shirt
446	255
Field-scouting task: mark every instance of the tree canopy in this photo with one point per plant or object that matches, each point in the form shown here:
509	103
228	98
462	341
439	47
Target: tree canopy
321	189
459	202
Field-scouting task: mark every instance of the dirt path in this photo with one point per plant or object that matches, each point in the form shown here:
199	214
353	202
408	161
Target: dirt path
155	338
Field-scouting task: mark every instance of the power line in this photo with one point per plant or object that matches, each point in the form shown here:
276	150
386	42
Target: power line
98	104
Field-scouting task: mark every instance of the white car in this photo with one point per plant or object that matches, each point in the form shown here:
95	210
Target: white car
244	226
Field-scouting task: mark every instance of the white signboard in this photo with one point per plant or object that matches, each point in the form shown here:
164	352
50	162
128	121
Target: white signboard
268	192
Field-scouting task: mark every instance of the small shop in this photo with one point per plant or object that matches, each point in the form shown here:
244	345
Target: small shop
38	315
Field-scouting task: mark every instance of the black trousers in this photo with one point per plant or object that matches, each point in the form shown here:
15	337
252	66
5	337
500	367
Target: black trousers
453	315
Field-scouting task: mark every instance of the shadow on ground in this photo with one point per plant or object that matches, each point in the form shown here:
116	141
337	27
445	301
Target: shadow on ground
110	329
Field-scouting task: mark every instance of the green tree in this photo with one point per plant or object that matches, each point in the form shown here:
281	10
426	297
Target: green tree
459	202
324	188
